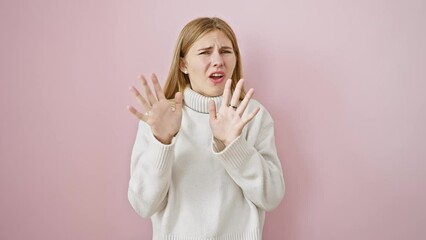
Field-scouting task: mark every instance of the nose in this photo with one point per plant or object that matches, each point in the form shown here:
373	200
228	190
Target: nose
217	59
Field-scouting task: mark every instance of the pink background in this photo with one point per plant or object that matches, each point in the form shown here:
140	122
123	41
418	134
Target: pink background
344	81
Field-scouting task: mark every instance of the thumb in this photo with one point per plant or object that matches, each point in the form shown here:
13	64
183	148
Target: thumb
178	101
212	110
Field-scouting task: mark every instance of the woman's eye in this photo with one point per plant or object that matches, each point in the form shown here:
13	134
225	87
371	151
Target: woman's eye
227	51
201	53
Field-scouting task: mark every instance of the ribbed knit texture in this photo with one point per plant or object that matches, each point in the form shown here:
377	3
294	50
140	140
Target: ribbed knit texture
198	102
252	235
163	152
196	188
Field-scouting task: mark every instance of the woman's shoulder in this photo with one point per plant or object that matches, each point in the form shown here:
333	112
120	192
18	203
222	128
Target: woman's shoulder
263	113
253	103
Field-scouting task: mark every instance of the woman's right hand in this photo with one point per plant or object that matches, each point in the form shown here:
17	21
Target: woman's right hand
162	115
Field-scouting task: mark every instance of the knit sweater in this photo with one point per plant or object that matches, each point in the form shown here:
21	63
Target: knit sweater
196	188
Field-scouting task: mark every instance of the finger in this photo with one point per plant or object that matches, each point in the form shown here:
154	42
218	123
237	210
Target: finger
158	91
251	115
178	102
148	93
243	105
212	110
145	105
237	93
226	93
135	112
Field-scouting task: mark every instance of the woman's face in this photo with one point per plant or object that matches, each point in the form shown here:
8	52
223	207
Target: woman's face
209	62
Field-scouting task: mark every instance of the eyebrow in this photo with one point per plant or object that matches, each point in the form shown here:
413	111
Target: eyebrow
208	48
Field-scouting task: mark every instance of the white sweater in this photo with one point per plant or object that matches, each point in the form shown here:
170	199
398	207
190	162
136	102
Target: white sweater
195	188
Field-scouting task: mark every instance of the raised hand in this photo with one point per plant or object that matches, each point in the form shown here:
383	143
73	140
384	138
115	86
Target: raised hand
228	123
162	115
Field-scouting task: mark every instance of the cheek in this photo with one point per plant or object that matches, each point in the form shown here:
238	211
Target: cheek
232	59
198	65
232	62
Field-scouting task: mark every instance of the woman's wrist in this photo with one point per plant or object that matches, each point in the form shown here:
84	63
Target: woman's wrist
166	140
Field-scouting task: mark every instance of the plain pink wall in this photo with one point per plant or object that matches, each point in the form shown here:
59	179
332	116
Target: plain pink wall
344	81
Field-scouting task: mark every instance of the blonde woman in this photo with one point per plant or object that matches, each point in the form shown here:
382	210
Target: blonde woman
204	163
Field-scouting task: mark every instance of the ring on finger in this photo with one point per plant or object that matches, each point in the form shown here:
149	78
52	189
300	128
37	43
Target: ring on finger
234	107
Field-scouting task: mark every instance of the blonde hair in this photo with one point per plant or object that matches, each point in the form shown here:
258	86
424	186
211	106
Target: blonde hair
177	80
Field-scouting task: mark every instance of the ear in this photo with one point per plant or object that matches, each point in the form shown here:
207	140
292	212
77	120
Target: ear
182	65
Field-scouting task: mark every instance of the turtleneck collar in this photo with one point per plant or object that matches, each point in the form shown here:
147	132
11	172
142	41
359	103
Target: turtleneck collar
198	102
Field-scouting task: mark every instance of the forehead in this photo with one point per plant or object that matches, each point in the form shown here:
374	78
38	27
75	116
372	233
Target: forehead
215	37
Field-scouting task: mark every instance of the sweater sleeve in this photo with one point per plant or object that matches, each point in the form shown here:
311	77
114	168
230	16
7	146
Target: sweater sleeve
255	168
150	172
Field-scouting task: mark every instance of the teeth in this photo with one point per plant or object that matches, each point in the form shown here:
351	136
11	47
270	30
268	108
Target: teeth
216	75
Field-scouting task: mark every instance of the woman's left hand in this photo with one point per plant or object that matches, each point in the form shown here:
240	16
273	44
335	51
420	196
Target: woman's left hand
228	123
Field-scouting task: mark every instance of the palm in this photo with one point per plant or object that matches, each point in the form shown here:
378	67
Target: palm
162	115
228	123
163	119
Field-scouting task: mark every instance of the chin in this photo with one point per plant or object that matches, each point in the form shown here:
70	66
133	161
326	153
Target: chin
211	93
216	92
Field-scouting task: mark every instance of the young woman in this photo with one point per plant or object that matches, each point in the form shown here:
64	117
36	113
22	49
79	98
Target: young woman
204	164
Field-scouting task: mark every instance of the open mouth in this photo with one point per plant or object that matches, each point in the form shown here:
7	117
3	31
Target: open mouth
217	77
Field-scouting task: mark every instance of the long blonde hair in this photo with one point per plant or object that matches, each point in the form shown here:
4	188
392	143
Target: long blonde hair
177	80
